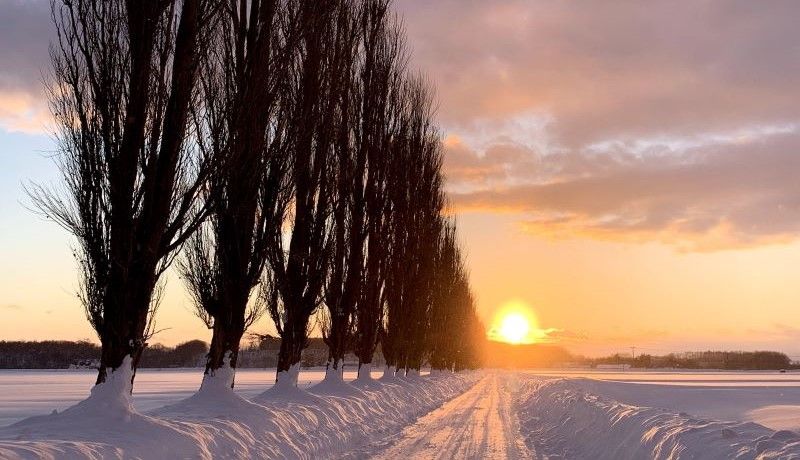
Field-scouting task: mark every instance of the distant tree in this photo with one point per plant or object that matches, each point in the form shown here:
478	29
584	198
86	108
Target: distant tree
121	95
188	353
416	196
380	89
353	296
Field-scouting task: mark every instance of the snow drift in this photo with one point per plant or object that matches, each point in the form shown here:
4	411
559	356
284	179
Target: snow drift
217	423
563	418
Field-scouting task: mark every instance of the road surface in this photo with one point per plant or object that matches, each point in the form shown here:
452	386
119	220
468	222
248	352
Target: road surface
480	423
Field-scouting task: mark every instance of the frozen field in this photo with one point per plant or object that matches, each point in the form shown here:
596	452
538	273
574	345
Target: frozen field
487	414
330	420
24	393
771	399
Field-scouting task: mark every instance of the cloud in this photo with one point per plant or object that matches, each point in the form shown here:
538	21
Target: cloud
722	194
555	335
596	72
657	121
548	335
625	70
25	32
23	111
11	306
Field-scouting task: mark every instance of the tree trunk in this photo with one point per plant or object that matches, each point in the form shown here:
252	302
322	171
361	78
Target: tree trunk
364	371
293	341
127	305
337	341
112	355
224	348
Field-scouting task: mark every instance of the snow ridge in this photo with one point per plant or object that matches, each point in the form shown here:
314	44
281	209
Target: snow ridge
218	423
561	419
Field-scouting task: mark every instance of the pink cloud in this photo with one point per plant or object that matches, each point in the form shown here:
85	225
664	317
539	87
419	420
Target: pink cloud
620	70
656	121
23	111
708	197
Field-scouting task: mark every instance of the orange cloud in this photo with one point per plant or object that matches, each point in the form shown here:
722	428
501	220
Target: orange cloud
625	70
718	195
21	111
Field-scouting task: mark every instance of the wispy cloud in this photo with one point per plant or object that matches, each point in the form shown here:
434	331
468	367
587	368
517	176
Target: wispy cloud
549	335
635	122
631	121
712	196
626	70
23	112
25	34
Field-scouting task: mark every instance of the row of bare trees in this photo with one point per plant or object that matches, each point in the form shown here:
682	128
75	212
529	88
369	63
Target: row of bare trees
430	309
282	152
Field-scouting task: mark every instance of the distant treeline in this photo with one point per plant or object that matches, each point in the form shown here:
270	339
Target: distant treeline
508	355
62	354
728	360
544	356
49	354
262	351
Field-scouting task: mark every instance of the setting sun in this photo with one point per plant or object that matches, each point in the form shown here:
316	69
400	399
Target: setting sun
514	328
515	322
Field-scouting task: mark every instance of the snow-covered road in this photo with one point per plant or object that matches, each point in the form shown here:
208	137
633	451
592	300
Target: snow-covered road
481	423
483	414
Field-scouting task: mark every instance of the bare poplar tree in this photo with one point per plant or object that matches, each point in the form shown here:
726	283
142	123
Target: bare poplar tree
318	75
415	191
427	201
447	276
469	337
121	94
382	104
343	283
354	288
241	125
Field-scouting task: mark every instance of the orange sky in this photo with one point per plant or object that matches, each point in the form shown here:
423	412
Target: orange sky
628	171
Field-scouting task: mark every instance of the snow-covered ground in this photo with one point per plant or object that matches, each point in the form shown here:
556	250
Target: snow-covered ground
774	406
481	423
24	393
485	414
769	398
323	422
630	416
607	416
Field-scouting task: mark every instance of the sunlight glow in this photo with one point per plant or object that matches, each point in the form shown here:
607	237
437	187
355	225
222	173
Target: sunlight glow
515	322
514	328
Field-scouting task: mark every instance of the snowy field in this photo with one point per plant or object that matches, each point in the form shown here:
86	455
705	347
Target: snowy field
485	414
768	398
24	393
714	415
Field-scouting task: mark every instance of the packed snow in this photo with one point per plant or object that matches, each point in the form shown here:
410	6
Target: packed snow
480	423
562	419
30	392
216	422
482	414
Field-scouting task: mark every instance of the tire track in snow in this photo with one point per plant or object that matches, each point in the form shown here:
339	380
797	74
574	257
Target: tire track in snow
480	423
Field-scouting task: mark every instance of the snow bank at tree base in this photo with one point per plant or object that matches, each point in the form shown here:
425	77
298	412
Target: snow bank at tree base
561	418
218	423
